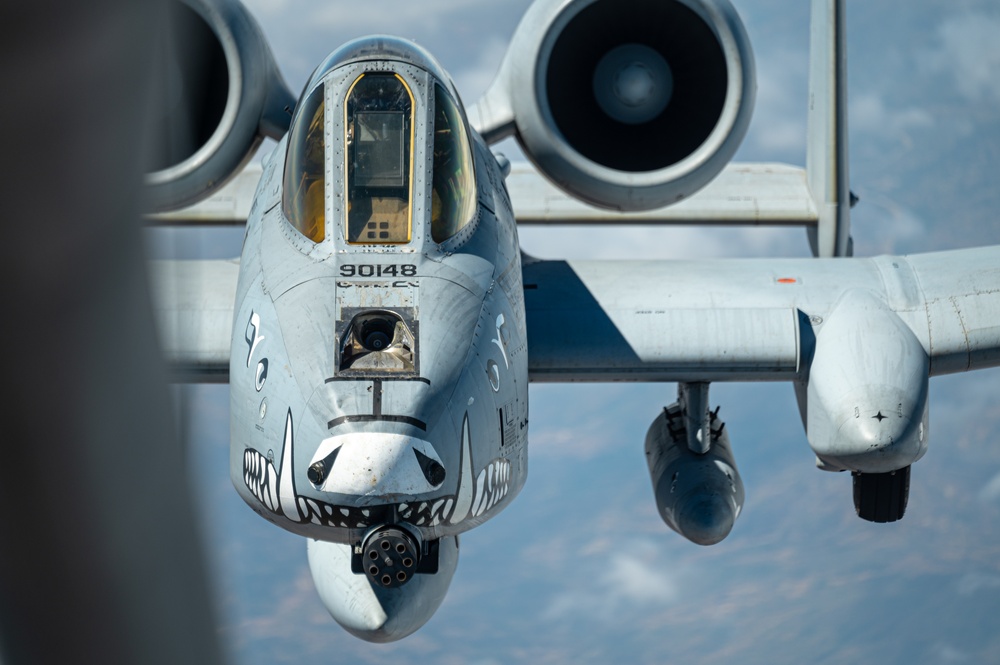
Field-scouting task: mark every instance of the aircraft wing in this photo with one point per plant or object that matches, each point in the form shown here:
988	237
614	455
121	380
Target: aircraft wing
754	194
748	319
705	320
193	301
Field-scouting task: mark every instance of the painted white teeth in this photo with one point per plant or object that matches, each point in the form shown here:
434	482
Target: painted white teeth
477	505
492	485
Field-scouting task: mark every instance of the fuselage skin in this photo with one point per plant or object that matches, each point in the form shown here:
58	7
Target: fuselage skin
329	451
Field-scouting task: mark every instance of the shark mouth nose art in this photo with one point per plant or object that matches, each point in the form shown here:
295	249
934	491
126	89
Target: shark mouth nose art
376	464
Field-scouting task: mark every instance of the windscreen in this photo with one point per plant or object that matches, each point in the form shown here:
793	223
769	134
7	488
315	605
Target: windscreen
304	186
379	126
453	197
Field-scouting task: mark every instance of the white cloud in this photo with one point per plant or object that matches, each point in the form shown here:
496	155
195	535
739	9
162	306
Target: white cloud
590	433
991	491
947	653
395	17
974	582
633	579
421	15
778	130
869	114
879	224
964	399
969	54
570	442
637	579
457	32
473	80
341	14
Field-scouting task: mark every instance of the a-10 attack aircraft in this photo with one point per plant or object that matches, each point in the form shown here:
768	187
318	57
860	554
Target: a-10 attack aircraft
382	325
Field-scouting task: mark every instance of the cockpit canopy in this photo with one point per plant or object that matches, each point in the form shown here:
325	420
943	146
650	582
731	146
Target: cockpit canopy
364	130
453	194
304	184
379	140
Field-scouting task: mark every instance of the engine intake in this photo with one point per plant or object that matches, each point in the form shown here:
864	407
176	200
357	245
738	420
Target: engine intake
603	73
217	94
626	104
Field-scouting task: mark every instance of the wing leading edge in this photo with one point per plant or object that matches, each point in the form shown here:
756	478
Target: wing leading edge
706	320
747	319
194	301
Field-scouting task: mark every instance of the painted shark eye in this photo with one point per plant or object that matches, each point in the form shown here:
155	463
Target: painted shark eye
317	473
432	469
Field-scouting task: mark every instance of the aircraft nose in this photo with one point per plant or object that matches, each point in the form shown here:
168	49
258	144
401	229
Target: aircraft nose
376	464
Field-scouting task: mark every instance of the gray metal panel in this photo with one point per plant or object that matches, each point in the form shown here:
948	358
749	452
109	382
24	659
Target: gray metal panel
826	149
962	290
663	320
689	344
230	205
743	194
580	329
194	309
747	319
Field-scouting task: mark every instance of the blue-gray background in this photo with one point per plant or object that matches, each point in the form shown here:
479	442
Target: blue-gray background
580	568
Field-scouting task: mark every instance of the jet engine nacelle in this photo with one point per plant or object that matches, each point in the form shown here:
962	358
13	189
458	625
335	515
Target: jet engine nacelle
217	93
625	104
699	495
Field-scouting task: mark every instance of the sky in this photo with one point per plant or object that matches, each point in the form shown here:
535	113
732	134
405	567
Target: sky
580	568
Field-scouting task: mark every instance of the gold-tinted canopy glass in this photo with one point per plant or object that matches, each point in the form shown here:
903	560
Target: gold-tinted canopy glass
379	140
453	197
304	185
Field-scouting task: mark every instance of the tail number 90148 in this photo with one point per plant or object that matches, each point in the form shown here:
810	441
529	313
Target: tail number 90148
378	270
